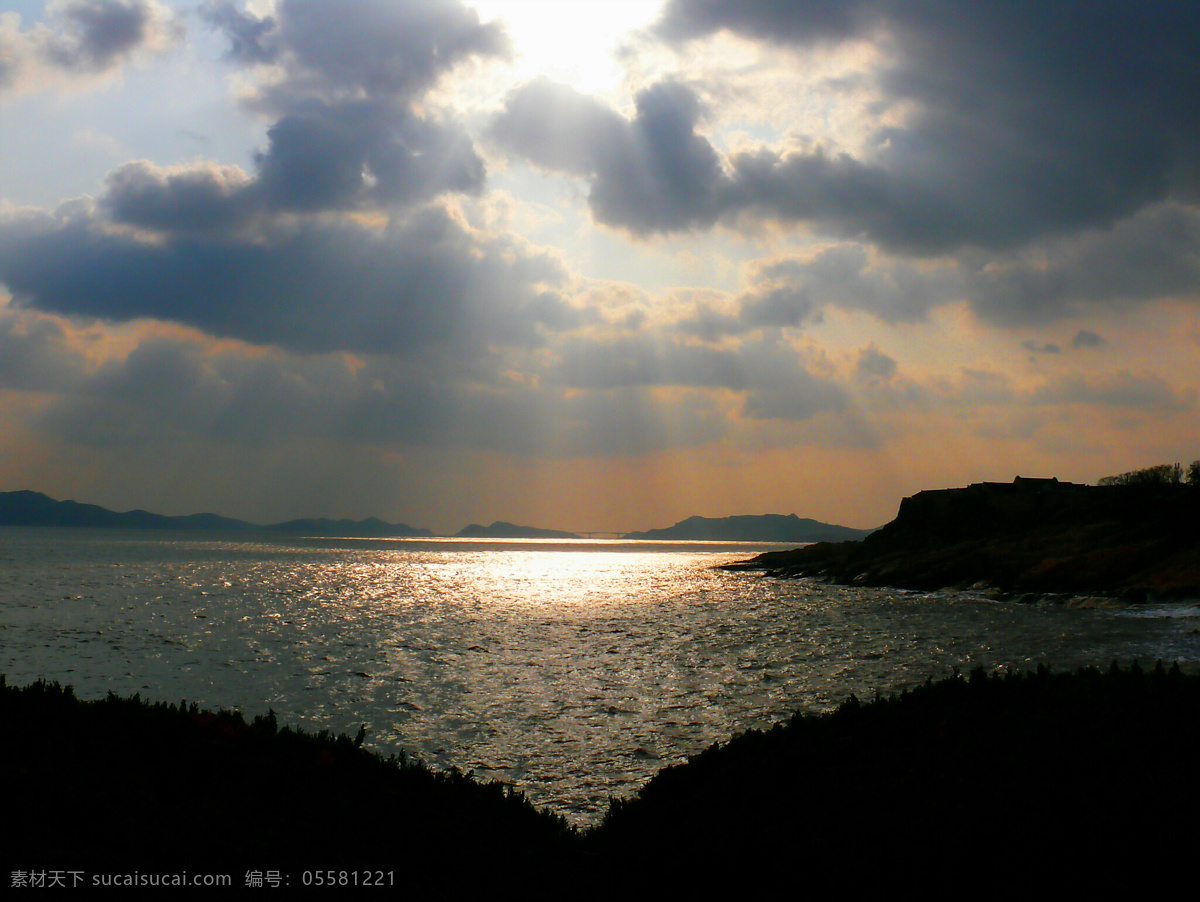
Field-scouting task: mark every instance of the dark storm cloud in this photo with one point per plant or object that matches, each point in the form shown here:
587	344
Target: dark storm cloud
247	33
344	155
342	91
342	158
793	292
1026	120
224	251
1145	257
36	354
316	285
201	198
351	48
1031	118
86	37
649	174
776	21
97	34
842	194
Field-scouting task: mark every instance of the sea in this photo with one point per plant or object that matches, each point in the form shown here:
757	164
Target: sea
571	670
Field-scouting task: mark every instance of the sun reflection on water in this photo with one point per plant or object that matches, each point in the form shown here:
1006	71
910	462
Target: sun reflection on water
573	670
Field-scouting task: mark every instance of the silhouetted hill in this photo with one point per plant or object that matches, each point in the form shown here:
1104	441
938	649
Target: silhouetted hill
1028	536
35	509
1067	780
1038	779
502	530
752	528
122	784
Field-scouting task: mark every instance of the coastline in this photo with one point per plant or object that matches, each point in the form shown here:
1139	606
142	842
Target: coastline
1046	539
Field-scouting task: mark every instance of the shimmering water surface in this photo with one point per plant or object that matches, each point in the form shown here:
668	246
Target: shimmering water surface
573	670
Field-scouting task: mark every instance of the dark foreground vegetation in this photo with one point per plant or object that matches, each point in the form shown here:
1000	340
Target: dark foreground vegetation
1015	779
123	783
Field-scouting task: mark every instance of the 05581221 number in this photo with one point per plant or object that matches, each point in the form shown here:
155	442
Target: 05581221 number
348	878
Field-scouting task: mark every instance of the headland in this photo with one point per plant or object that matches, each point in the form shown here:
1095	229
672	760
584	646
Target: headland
1027	537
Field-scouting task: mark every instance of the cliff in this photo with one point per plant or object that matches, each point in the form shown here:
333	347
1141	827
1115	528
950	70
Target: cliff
1029	536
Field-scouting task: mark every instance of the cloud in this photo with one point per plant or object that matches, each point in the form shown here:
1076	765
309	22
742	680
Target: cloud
346	158
649	174
257	256
792	291
37	354
1009	122
201	198
768	374
1146	258
1146	392
1037	347
360	153
341	81
334	50
83	38
772	21
874	366
422	283
1030	119
645	360
170	393
1149	256
1087	339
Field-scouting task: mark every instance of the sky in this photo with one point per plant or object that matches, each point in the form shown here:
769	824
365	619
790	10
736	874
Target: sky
592	266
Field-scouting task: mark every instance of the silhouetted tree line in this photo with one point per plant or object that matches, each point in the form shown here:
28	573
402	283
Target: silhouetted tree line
1160	474
1010	776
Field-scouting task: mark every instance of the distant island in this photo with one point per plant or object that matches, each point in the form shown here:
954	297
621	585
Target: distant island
1138	539
502	530
762	528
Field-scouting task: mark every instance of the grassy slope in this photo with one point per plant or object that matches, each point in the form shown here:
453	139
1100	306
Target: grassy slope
1090	774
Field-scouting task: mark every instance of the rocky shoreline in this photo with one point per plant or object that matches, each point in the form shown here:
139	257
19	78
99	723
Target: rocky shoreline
1030	537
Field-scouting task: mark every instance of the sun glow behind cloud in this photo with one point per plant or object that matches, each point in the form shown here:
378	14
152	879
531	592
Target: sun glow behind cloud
574	43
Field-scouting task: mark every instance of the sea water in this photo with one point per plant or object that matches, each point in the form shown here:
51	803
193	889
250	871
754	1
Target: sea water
573	670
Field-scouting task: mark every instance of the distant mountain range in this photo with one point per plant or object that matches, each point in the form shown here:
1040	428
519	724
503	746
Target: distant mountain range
750	528
27	508
36	509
